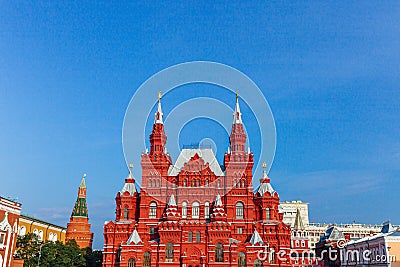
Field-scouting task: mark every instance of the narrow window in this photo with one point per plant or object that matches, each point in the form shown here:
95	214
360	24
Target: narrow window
184	210
190	237
268	215
239	210
153	210
197	237
219	253
207	210
131	263
195	210
147	259
241	260
169	252
126	213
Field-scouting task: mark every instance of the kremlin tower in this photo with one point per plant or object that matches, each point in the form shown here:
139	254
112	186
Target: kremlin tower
78	227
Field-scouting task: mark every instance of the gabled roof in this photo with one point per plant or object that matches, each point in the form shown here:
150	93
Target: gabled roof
134	238
129	187
265	187
205	153
387	227
256	238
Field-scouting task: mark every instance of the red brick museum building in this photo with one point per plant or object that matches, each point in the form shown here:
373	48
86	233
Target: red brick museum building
195	212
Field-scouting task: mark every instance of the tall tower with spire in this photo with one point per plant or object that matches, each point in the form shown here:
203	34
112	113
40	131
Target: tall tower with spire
158	160
78	227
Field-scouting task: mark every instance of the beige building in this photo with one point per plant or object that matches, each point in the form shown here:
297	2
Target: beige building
46	231
382	249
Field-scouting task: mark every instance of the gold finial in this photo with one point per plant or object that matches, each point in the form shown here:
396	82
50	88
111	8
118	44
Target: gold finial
159	95
264	164
237	95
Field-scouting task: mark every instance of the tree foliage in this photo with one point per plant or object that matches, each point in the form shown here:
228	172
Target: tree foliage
52	254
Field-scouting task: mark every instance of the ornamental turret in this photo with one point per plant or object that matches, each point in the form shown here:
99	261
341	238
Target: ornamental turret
126	199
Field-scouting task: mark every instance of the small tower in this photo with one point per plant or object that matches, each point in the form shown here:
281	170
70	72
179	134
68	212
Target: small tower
78	227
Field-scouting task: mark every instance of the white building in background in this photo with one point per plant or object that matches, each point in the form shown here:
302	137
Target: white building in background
315	230
290	211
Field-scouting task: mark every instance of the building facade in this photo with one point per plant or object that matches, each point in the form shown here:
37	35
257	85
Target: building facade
195	212
315	230
44	230
78	227
382	249
9	216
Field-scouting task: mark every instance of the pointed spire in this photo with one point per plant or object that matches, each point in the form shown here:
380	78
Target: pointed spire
130	170
80	208
218	210
218	201
172	201
298	222
159	114
134	238
83	182
237	115
256	239
171	213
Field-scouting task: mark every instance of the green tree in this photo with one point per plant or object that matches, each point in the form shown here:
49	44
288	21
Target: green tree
49	254
93	258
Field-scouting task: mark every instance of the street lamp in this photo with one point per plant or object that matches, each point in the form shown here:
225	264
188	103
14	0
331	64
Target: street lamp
40	254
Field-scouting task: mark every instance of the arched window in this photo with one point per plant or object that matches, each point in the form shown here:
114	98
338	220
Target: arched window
219	253
131	263
147	259
267	214
126	213
241	260
207	183
207	210
197	237
258	263
50	237
169	252
190	237
195	210
54	237
219	184
185	183
40	235
242	183
239	210
153	210
150	185
22	231
184	210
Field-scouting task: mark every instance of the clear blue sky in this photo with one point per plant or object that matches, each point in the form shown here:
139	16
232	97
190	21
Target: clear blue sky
329	70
